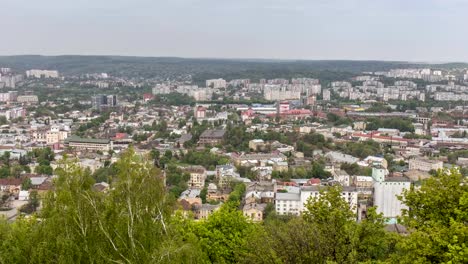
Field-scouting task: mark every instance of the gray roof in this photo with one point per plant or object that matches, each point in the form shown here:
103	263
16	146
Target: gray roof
213	133
397	179
190	193
87	140
288	196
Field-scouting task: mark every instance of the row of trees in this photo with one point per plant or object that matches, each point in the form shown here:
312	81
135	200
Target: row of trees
404	125
137	222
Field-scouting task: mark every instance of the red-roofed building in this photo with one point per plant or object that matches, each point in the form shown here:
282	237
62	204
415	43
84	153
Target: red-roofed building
11	185
147	97
248	114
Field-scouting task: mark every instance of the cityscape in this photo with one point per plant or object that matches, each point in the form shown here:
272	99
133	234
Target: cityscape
179	159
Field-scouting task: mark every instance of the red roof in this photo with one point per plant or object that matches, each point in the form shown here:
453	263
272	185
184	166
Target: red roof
121	135
10	182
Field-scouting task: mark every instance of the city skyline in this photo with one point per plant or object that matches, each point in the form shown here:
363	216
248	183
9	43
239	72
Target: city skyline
419	31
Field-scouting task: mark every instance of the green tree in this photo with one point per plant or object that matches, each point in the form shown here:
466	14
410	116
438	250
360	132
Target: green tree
223	236
26	184
437	219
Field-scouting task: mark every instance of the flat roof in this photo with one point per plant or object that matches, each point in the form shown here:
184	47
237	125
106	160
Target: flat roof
87	140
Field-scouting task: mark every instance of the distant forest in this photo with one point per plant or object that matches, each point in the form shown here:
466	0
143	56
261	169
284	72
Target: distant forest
202	69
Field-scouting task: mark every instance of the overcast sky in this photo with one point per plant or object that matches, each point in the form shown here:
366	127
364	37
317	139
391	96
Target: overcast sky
409	30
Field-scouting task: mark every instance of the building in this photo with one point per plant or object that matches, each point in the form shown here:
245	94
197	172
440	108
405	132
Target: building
283	107
276	92
288	203
104	101
326	95
10	96
205	210
212	137
256	144
349	194
27	99
200	112
56	135
42	74
386	194
254	211
216	83
89	143
197	176
13	113
294	200
161	89
338	157
424	164
10	81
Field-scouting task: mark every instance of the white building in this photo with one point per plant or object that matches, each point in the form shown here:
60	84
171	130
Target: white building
386	192
326	95
42	74
27	99
216	83
288	203
161	89
293	202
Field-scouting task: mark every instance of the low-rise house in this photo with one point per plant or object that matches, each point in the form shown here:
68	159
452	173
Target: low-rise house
254	211
192	196
11	185
362	181
203	211
260	192
342	177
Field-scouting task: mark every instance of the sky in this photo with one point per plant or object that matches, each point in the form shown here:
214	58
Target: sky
404	30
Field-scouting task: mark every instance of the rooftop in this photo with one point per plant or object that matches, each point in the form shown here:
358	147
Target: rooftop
78	139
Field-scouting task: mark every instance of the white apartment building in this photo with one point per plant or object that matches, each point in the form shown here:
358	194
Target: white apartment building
216	83
288	203
279	93
27	99
326	95
13	113
42	74
294	202
10	96
161	89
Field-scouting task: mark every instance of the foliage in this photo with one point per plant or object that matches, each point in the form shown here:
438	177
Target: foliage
354	169
404	125
437	220
326	233
130	224
360	149
223	236
204	158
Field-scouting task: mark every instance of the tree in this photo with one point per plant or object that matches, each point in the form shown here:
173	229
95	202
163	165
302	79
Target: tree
223	236
326	233
129	224
26	184
44	169
437	219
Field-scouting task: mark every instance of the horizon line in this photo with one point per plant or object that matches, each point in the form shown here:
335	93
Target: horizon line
237	58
